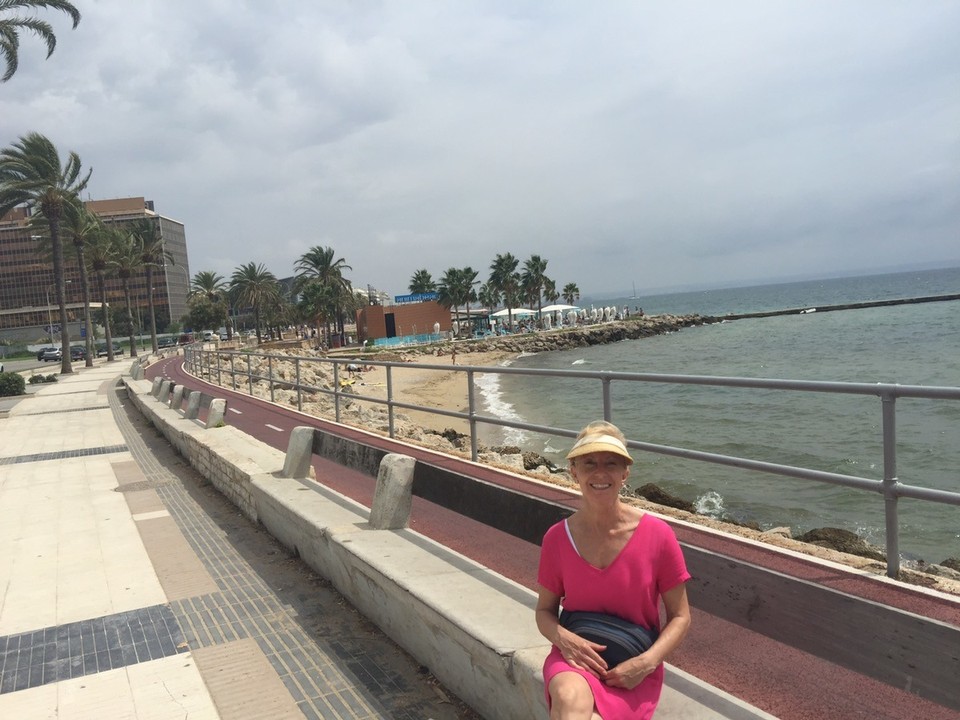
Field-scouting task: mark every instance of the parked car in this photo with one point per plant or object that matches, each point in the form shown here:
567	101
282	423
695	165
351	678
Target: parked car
42	350
102	350
51	353
166	342
78	352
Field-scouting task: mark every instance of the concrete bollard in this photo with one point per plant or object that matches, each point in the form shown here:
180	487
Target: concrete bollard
296	464
218	408
164	394
177	402
155	390
193	406
136	372
394	493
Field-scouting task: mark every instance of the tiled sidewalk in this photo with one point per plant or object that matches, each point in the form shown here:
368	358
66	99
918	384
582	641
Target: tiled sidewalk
129	589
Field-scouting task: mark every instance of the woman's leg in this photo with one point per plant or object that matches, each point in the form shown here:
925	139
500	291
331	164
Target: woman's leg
571	698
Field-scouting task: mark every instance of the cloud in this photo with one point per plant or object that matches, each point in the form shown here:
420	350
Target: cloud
657	143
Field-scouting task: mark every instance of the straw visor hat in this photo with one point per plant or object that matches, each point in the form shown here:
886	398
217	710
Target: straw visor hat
598	442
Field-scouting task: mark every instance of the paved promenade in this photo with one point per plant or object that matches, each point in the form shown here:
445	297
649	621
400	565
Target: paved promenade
128	589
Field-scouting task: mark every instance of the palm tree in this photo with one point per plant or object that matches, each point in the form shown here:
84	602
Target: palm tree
79	225
506	281
147	231
10	28
31	172
550	293
279	311
82	225
571	293
316	305
320	265
422	282
99	257
254	286
488	297
456	288
127	261
213	288
533	281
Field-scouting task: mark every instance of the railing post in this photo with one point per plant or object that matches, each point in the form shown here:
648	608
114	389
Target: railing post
336	391
270	375
233	371
296	365
390	401
250	374
219	369
607	404
890	499
472	411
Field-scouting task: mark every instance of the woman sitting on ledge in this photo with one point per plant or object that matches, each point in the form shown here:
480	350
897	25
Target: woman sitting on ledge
608	563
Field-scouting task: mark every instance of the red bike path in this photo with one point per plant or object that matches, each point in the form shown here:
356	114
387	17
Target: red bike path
779	679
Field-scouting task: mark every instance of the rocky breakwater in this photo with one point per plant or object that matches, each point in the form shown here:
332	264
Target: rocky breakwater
632	328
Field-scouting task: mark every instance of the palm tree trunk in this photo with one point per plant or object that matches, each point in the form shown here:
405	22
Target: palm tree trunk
153	315
85	289
126	292
66	367
105	309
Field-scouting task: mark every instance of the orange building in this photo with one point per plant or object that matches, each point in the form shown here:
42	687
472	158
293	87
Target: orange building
406	320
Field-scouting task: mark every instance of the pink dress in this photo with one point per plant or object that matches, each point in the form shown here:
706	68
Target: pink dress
630	587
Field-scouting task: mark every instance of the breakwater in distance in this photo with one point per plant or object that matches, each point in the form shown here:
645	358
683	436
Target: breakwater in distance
635	327
829	308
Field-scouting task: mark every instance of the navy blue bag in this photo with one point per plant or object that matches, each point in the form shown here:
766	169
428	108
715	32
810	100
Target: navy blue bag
623	639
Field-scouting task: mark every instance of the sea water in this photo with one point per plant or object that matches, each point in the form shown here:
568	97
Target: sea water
915	344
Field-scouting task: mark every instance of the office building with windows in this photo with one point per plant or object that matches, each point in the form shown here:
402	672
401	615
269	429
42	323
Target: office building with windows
28	304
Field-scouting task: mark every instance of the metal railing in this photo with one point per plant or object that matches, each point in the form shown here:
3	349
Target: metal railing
218	365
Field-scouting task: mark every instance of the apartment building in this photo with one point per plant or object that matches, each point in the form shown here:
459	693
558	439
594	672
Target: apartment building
28	304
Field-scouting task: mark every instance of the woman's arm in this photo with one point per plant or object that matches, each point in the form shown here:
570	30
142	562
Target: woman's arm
631	673
577	651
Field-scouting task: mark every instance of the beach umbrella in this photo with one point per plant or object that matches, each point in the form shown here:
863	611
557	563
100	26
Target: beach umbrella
514	311
558	308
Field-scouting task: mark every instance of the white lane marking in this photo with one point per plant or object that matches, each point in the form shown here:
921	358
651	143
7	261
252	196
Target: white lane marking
274	427
233	410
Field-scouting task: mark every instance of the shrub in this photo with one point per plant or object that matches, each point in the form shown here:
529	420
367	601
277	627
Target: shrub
34	379
11	384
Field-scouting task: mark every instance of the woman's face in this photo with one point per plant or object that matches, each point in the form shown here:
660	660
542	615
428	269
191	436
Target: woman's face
600	473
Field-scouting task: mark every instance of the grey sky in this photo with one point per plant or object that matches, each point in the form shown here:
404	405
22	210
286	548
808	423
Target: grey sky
656	143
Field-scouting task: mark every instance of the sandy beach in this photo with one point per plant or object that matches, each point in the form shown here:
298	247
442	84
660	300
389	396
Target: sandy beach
435	388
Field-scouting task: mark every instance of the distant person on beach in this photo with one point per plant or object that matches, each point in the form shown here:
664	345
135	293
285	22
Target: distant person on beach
608	559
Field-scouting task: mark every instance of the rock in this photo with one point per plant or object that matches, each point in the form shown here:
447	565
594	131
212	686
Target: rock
750	524
952	563
514	462
656	494
533	461
842	541
781	531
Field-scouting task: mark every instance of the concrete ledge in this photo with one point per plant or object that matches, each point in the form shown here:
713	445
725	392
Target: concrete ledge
460	619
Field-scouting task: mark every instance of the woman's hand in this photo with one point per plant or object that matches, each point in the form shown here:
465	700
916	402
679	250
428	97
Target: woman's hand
630	673
577	651
580	652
